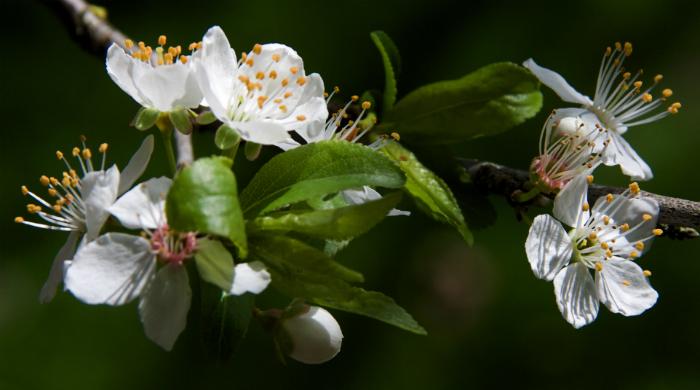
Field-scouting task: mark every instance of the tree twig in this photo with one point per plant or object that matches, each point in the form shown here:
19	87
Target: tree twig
678	217
183	145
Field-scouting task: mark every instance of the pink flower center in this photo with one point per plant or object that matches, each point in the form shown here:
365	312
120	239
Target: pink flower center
173	247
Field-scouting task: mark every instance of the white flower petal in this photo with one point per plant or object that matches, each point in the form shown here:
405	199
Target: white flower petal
288	144
548	247
143	207
120	68
134	169
314	336
215	69
557	84
632	211
313	109
569	202
168	87
250	277
623	288
48	291
99	191
112	270
621	153
575	294
261	132
367	194
164	305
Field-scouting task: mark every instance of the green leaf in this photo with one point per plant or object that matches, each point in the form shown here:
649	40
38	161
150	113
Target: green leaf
225	320
336	224
293	277
181	120
204	198
488	101
392	67
314	170
226	137
429	191
145	118
300	258
214	263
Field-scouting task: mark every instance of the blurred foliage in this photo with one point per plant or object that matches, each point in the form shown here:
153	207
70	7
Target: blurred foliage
490	322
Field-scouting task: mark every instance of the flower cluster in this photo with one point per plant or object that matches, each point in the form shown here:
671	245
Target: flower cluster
263	97
608	238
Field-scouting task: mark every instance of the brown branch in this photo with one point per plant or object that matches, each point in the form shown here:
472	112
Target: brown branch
678	217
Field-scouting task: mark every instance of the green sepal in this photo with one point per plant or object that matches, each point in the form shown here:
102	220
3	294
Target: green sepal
206	118
145	118
181	120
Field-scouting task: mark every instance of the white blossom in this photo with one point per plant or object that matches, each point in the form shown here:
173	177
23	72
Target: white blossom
621	101
312	336
264	95
82	196
606	239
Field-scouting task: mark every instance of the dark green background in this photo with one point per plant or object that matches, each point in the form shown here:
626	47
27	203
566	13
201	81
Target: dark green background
491	323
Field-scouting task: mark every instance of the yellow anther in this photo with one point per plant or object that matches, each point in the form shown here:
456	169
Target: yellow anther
673	109
354	98
618	46
589	179
639	245
162	40
628	49
75	152
250	85
87	154
585	207
19	219
625	227
277	101
336	89
54	181
66	181
59	155
261	100
608	51
184	59
634	254
168	58
142	45
103	148
609	198
285	82
667	93
606	219
257	48
608	253
647	273
294	69
69	198
658	78
244	79
52	192
287	95
366	105
626	283
44	181
395	136
634	188
192	46
283	108
25	190
249	62
604	245
57	208
647	217
301	81
637	84
599	266
592	236
657	232
646	97
626	75
301	118
73	173
273	74
260	75
61	201
128	43
276	57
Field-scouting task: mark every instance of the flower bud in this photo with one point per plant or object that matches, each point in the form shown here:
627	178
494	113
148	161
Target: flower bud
313	336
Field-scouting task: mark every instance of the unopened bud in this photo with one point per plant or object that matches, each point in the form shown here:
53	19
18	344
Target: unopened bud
313	336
